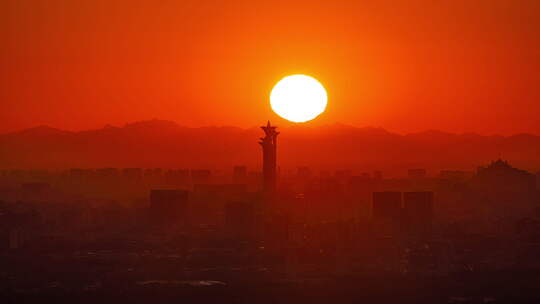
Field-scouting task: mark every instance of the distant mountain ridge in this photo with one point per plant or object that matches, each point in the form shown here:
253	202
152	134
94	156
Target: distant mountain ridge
160	143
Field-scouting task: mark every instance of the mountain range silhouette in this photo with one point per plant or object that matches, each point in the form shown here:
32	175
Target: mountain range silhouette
166	144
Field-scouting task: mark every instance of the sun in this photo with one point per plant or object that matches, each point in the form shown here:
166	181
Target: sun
298	98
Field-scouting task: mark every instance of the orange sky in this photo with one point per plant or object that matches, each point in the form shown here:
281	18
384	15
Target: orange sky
455	65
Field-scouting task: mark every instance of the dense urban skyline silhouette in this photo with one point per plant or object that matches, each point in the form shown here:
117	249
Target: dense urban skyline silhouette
414	177
198	235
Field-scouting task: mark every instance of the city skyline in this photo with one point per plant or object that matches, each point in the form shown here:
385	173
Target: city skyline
272	151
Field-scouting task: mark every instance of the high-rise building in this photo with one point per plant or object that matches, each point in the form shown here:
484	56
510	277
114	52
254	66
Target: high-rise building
500	176
387	205
510	192
418	211
277	231
387	213
240	220
269	147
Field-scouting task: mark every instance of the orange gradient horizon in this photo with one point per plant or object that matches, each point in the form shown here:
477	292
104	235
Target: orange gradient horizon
407	66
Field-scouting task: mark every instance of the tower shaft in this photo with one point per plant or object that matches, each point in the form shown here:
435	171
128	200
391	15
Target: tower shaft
269	147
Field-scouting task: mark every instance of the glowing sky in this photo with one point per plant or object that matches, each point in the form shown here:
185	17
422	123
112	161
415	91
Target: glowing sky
406	66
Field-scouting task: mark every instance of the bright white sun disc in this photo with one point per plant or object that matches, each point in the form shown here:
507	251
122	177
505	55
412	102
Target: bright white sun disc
298	98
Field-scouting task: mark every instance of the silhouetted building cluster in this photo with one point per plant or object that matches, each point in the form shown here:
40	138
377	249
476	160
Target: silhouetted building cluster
408	212
137	223
169	207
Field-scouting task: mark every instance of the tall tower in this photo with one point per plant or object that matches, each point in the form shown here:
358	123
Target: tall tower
269	147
